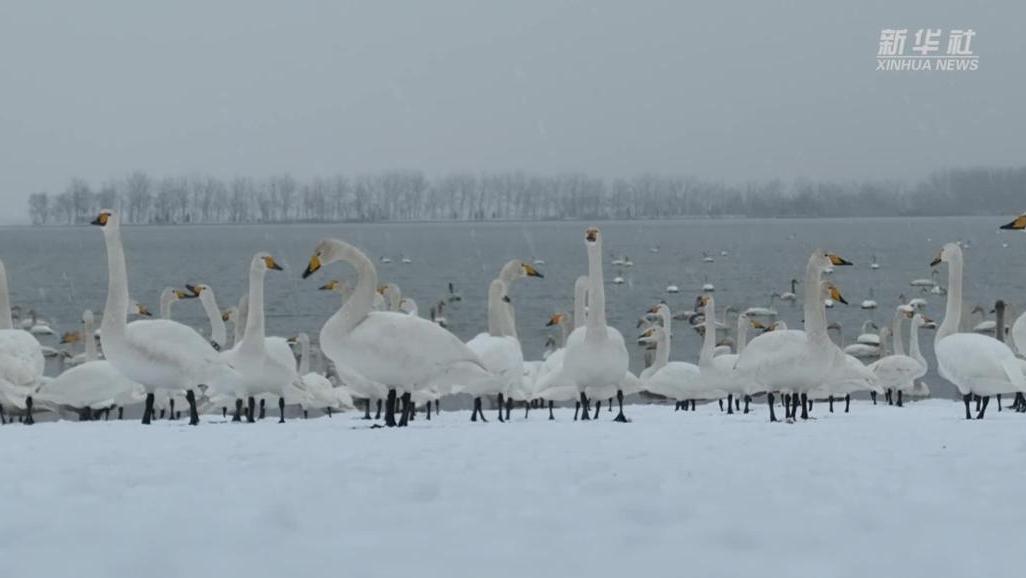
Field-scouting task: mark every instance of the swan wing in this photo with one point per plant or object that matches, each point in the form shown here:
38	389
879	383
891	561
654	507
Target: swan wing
21	358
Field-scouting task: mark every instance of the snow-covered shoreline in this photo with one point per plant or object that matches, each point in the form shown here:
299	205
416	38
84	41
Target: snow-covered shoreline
879	491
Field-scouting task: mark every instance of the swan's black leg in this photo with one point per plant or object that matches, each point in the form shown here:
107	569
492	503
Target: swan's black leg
610	406
438	407
527	407
502	404
847	403
171	409
805	406
999	402
577	409
983	407
193	412
737	403
330	412
390	409
693	406
830	400
251	409
872	395
3	420
427	409
769	400
366	411
720	401
263	408
620	417
730	404
551	417
585	408
281	410
966	399
509	407
676	405
29	420
404	420
378	414
161	414
224	412
899	404
748	400
238	410
148	410
121	412
598	408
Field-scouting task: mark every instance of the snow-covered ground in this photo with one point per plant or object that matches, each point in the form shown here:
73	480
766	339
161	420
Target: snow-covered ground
879	492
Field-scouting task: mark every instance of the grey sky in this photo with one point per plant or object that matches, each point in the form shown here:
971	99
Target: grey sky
731	90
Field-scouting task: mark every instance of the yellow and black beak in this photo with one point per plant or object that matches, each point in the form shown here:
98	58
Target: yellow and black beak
936	260
101	219
757	325
272	264
506	299
653	309
554	320
226	316
838	261
70	337
185	295
1018	224
144	311
591	235
532	272
315	264
194	289
329	286
835	294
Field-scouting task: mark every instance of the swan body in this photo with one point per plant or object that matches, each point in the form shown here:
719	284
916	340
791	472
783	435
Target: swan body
974	363
21	357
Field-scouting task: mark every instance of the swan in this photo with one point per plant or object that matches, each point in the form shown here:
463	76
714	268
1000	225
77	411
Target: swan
986	325
159	354
717	372
596	356
874	264
498	348
672	289
554	362
794	360
266	364
870	334
671	379
918	321
792	295
316	391
21	358
869	303
404	352
218	330
897	371
976	364
94	384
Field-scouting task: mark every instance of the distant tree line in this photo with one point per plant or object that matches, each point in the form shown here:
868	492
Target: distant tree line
412	196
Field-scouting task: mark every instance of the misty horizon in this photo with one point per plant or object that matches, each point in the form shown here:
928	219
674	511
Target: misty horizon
734	93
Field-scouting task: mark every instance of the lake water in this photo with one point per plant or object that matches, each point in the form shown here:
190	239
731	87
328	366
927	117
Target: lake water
62	271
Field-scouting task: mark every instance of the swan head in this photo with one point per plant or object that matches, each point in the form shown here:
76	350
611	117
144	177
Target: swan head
651	335
139	309
1018	224
71	337
760	326
335	286
591	235
946	254
556	319
328	251
268	262
199	289
528	270
831	260
833	293
107	219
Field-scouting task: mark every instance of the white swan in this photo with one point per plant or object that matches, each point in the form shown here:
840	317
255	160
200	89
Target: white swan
596	356
218	330
974	363
718	371
316	391
794	360
544	387
404	352
94	384
897	371
499	349
266	364
21	358
671	379
159	354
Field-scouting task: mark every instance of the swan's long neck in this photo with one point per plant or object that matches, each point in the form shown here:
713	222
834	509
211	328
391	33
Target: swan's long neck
304	354
667	319
709	340
359	304
662	354
899	346
253	338
115	312
580	298
742	333
953	311
596	293
815	310
562	332
913	344
496	311
218	331
166	297
5	301
90	339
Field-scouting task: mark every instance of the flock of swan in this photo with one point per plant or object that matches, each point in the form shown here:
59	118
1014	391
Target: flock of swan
381	351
